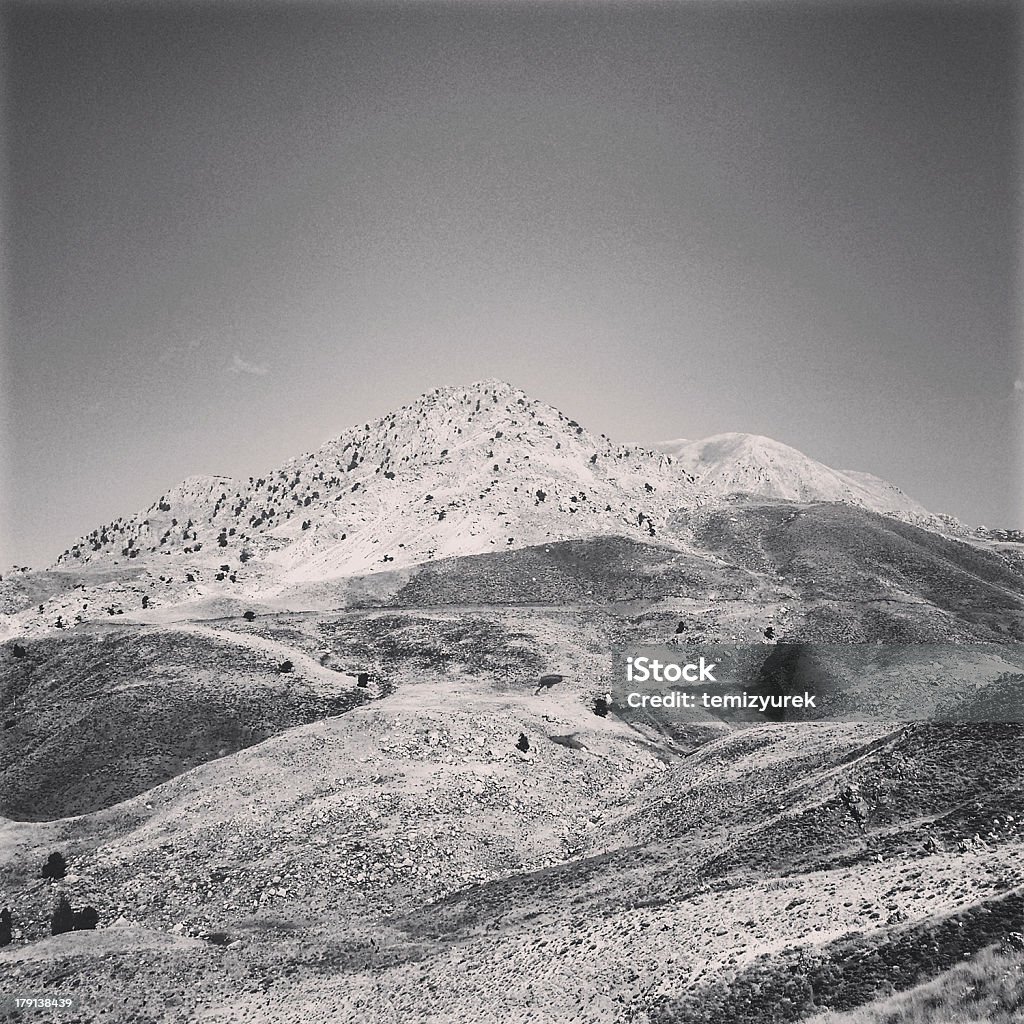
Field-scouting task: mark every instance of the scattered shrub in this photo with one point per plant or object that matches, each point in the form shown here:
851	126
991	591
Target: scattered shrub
55	867
63	917
86	919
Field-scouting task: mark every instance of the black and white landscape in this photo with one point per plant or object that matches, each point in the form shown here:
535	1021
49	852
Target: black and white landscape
301	730
288	736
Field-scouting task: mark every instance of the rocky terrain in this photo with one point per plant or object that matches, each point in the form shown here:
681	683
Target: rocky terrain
460	470
291	738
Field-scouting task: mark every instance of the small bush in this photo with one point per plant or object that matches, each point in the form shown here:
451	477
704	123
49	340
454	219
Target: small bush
55	867
63	917
86	919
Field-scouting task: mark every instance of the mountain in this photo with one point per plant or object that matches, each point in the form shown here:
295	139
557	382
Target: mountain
751	464
480	469
461	470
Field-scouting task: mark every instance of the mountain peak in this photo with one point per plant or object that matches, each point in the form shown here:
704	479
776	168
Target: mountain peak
755	464
462	469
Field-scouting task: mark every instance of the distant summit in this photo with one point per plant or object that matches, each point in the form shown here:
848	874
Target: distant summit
752	464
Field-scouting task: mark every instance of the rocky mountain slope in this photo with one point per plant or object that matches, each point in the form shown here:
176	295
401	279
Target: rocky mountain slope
460	470
406	862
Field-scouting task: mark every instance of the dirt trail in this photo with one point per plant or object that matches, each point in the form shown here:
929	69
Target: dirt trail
303	664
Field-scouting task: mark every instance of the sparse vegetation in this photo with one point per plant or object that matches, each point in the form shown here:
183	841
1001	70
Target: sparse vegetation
988	987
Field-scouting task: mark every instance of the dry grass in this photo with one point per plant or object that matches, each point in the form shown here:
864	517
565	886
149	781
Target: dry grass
987	989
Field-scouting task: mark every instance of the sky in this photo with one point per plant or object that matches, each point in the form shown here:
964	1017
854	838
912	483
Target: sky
231	231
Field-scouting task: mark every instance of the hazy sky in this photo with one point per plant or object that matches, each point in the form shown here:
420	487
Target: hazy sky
232	231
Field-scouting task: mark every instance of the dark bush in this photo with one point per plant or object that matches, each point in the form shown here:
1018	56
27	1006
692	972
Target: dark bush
55	867
249	616
285	667
86	919
63	917
6	930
